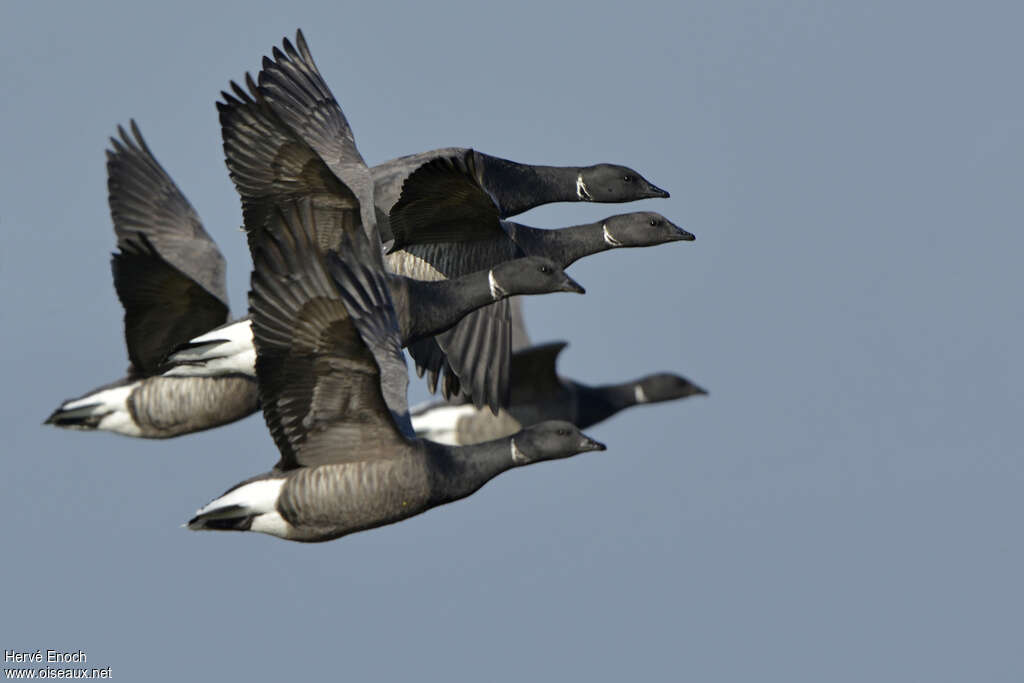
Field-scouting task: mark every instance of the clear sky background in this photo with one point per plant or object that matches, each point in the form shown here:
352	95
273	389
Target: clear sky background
845	506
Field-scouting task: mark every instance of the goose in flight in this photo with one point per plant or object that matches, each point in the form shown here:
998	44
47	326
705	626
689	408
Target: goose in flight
332	383
538	393
169	277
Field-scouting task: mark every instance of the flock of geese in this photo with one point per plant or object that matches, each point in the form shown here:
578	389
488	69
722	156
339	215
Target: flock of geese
351	264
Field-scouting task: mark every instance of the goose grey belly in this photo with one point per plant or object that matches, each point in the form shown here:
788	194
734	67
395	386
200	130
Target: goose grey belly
165	406
329	501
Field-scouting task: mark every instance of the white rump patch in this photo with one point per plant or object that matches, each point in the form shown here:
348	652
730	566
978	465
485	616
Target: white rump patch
272	523
112	405
109	399
497	291
639	394
440	424
608	239
258	498
518	457
224	351
581	189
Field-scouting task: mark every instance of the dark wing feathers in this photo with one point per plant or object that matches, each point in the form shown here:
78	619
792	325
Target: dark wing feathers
298	94
534	377
320	386
444	201
477	350
388	178
144	199
520	337
429	358
168	273
363	288
269	165
163	307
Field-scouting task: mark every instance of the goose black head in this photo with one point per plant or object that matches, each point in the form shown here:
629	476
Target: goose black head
642	229
665	386
530	275
550	441
611	183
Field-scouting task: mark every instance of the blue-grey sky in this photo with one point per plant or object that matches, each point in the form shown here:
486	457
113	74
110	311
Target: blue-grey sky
845	506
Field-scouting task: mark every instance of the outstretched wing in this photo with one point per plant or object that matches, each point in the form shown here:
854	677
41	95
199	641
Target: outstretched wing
162	306
168	272
298	94
320	384
270	165
444	200
388	178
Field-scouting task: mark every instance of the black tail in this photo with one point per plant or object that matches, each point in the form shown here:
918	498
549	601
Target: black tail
81	417
228	518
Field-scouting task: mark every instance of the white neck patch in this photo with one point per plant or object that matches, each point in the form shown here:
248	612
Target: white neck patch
497	291
581	190
517	455
608	239
639	394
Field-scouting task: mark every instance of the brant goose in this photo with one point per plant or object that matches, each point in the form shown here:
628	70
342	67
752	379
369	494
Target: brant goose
515	187
169	276
332	382
538	394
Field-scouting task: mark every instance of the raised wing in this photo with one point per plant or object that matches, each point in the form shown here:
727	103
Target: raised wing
298	94
164	253
320	384
270	165
444	200
534	375
163	307
389	177
144	199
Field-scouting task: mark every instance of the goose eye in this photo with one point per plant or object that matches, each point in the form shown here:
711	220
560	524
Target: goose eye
655	221
545	270
627	178
563	432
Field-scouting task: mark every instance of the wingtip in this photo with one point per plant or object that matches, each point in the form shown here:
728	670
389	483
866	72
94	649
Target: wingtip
288	47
